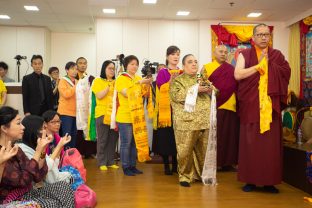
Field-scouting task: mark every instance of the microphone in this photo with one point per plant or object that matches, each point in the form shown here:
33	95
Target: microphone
19	57
114	59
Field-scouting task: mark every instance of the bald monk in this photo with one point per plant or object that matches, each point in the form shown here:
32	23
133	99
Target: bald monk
221	74
263	75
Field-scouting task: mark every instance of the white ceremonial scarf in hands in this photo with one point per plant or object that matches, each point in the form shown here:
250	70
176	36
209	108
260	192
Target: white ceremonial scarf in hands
190	100
210	165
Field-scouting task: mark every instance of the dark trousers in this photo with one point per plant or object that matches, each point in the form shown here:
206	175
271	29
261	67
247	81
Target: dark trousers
69	126
106	143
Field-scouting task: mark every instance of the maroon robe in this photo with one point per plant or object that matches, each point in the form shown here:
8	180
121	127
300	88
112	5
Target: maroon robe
227	121
260	155
18	174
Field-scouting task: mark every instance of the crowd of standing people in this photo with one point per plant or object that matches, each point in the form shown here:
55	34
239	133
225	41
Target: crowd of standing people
91	114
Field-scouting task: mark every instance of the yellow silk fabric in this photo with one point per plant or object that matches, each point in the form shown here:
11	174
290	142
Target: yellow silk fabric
265	101
138	122
308	20
164	108
162	111
230	104
243	33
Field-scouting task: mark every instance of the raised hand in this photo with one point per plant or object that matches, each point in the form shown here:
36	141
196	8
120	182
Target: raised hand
44	141
65	139
264	54
204	89
7	152
173	76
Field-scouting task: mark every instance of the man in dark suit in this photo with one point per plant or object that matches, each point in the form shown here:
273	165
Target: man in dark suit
36	89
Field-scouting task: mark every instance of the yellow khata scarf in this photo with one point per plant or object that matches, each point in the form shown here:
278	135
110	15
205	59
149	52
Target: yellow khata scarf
108	113
162	111
150	107
138	121
155	116
264	100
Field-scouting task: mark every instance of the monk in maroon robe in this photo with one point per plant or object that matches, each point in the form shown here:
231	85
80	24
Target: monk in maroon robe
221	74
260	154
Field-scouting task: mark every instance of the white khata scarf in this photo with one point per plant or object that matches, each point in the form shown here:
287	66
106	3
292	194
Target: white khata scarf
210	164
191	96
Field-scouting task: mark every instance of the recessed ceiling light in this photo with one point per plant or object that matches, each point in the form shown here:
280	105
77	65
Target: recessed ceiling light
149	1
254	14
4	16
183	13
109	11
31	8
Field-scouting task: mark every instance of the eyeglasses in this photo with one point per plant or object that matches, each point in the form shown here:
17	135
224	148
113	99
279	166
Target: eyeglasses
56	122
261	35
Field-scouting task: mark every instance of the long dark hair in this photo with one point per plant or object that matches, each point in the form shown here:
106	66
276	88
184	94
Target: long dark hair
103	70
171	50
33	124
49	115
7	114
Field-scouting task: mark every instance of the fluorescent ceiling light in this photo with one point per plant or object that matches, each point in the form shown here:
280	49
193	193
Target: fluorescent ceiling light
254	14
149	1
4	16
183	13
31	8
109	11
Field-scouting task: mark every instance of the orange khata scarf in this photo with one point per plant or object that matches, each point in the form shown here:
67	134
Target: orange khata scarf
110	94
134	94
162	111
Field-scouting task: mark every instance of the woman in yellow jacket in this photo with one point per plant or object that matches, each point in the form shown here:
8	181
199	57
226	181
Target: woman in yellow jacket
125	118
103	89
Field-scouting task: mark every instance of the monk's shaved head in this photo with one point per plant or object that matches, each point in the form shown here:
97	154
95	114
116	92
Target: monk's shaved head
220	53
220	47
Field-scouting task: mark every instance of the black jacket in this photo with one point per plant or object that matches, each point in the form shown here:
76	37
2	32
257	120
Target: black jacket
31	94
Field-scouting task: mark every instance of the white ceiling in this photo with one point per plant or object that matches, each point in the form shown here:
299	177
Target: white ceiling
80	15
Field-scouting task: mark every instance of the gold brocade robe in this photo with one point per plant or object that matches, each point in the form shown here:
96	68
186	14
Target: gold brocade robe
197	120
191	129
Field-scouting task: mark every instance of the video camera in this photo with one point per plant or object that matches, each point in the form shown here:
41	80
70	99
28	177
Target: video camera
149	68
120	58
19	57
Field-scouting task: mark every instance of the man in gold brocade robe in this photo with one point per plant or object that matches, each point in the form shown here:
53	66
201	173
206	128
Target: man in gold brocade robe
190	122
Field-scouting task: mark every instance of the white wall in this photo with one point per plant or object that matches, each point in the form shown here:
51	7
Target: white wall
150	38
67	47
144	38
24	41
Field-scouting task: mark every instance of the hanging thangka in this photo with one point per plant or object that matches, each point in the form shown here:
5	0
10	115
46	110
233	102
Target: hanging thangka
235	37
309	55
306	60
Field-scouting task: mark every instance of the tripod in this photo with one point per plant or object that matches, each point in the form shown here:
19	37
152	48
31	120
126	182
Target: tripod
18	63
